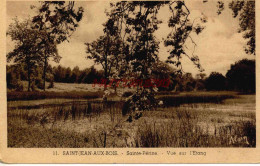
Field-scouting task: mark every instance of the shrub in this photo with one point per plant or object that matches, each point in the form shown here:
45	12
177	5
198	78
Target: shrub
51	85
33	86
127	94
11	80
39	83
19	86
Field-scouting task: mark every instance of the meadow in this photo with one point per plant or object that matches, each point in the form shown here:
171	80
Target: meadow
190	119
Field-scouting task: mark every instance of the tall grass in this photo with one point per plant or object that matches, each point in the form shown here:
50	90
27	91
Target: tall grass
180	128
101	124
74	110
183	130
24	135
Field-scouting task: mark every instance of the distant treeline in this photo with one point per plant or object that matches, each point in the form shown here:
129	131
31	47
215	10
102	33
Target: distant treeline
240	77
75	75
18	73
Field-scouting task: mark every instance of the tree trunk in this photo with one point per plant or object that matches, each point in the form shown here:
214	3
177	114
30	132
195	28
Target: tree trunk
105	84
44	72
115	87
106	78
29	78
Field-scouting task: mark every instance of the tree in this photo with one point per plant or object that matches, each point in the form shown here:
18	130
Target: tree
68	75
59	73
188	82
136	22
91	75
200	76
164	73
241	76
25	51
216	81
75	74
106	50
245	10
200	81
57	20
12	76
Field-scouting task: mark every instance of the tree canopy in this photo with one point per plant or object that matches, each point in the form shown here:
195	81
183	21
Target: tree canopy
245	11
26	50
241	76
134	23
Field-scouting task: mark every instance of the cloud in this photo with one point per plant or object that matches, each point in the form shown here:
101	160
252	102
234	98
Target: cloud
217	52
218	46
91	26
73	54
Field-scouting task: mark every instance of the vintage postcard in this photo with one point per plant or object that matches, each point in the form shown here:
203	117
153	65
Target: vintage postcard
129	81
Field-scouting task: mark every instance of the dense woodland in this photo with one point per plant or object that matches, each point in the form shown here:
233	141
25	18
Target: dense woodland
240	77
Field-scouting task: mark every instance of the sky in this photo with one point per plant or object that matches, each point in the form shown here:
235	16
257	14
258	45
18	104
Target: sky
218	46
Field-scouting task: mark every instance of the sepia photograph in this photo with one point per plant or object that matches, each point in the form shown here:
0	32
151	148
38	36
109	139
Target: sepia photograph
131	74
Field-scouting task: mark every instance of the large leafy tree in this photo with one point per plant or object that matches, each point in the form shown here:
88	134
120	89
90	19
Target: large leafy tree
57	20
241	76
165	76
136	22
26	51
107	51
215	81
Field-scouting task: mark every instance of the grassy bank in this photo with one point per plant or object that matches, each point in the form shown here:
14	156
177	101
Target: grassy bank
169	98
36	95
194	97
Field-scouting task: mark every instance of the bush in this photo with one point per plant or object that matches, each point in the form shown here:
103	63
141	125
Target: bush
33	86
11	80
51	85
19	86
127	94
39	83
